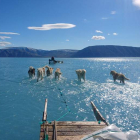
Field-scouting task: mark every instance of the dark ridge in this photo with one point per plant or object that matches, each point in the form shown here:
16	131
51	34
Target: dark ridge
91	51
108	51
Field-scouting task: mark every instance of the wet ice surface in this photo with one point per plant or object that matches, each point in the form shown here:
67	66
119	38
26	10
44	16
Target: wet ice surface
22	99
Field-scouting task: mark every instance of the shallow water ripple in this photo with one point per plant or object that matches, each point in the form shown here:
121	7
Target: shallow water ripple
22	99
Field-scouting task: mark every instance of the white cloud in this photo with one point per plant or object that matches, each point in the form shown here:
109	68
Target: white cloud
136	3
98	31
98	37
4	37
9	33
115	34
67	40
113	12
4	43
53	26
108	34
104	18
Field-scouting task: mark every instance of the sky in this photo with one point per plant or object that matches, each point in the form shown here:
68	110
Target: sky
69	24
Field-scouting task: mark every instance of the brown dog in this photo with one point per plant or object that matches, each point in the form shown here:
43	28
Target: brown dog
31	72
57	73
118	76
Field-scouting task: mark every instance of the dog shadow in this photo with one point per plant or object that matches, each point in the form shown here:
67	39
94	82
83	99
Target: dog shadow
116	82
77	82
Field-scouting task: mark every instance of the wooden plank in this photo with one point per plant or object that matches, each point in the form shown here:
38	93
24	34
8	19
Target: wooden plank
72	129
41	135
97	114
68	137
70	133
45	111
46	134
47	130
54	131
68	123
73	126
44	118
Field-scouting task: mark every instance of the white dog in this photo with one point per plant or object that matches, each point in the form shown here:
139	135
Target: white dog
31	72
81	73
39	74
57	73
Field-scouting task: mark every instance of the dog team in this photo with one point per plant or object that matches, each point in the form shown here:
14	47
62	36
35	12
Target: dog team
80	73
41	73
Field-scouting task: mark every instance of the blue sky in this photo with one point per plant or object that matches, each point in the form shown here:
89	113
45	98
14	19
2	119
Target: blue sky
69	24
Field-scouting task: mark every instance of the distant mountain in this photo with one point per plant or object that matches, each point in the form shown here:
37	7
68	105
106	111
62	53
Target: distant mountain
108	51
91	51
30	52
